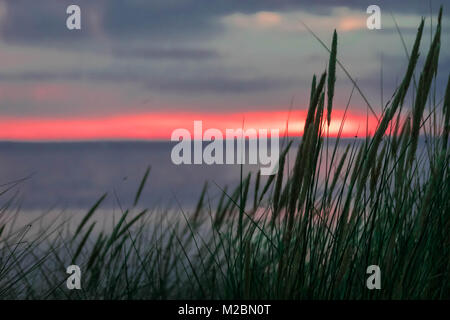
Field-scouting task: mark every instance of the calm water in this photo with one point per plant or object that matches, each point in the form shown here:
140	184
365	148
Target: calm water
71	177
75	175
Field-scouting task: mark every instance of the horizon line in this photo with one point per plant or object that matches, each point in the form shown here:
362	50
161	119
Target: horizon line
160	126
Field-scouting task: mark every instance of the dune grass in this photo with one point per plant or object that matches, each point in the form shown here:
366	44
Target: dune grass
383	202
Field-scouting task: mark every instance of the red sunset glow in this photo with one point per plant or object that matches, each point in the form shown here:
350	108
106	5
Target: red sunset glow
159	126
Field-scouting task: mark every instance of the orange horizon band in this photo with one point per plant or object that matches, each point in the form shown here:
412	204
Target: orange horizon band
160	125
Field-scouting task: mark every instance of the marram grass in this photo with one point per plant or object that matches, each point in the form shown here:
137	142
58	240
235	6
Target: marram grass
291	236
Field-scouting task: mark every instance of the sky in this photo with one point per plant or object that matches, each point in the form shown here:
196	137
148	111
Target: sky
139	69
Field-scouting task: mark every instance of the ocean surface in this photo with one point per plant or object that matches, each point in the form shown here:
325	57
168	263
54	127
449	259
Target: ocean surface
69	177
74	175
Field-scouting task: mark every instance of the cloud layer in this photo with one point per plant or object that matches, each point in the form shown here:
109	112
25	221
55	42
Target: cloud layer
173	56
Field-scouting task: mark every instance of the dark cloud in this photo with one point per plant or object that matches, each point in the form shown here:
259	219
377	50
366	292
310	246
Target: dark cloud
165	83
166	53
161	20
35	21
222	84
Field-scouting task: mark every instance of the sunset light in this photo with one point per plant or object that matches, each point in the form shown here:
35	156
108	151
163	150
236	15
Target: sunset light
159	126
224	159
